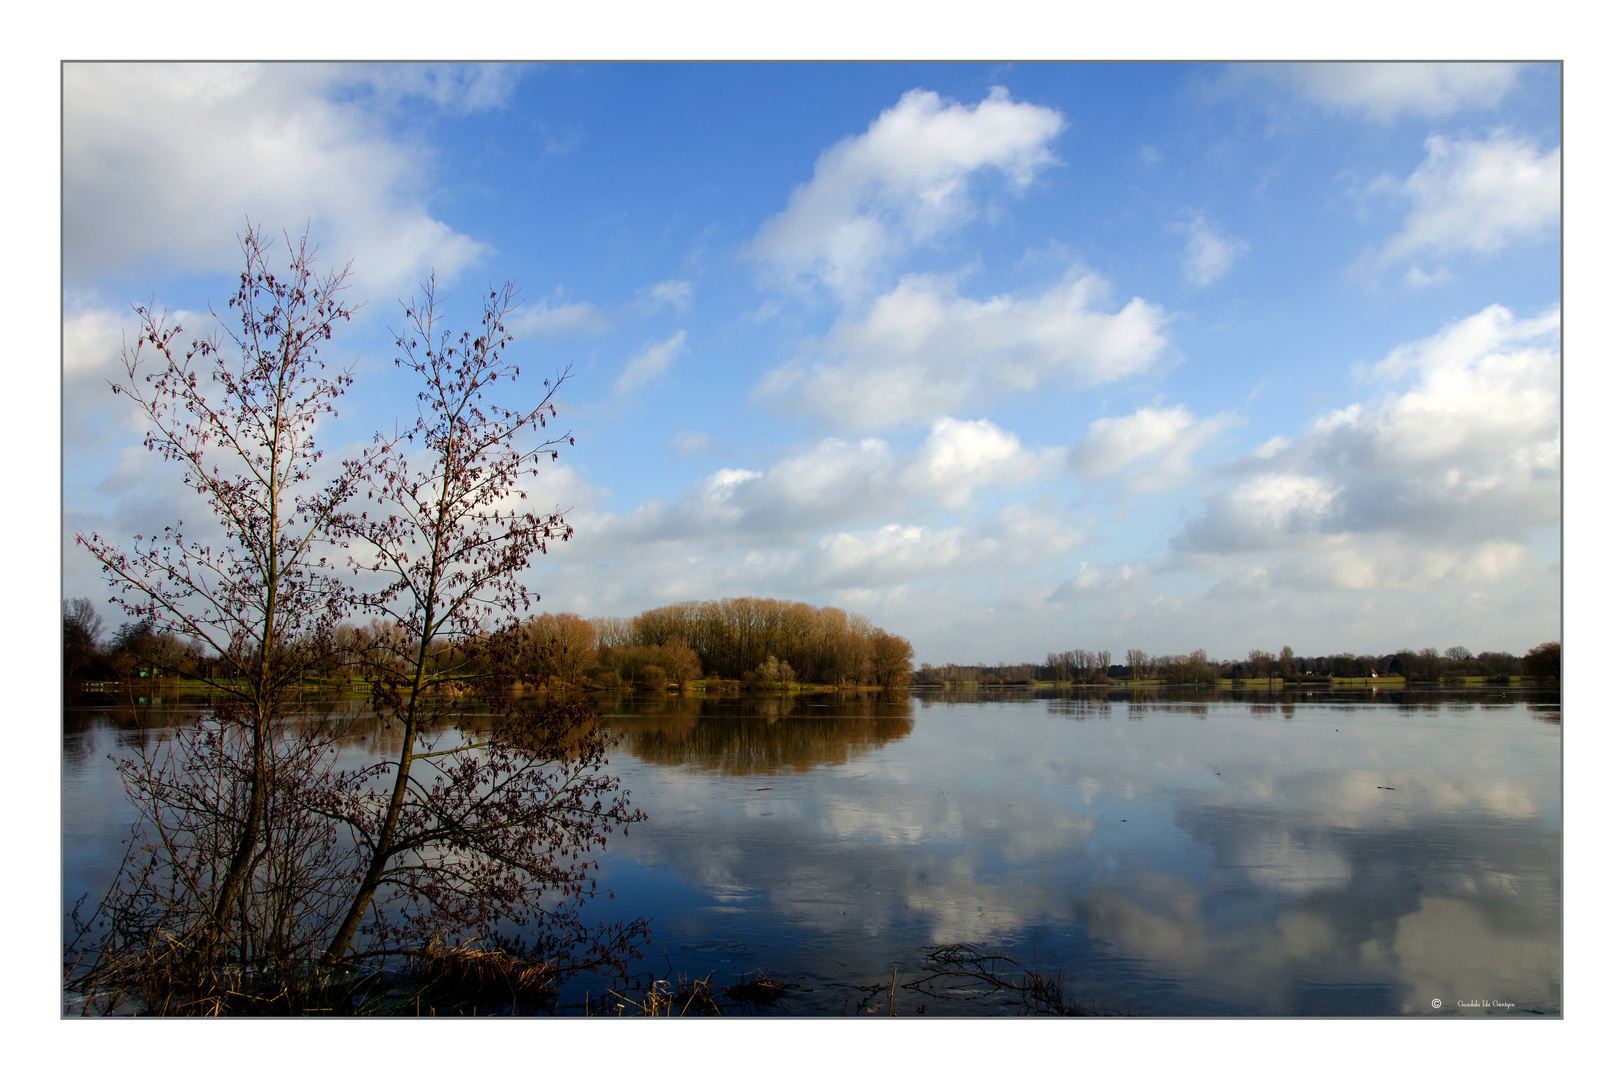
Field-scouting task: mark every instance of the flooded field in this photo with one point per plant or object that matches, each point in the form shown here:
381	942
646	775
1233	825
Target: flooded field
1205	853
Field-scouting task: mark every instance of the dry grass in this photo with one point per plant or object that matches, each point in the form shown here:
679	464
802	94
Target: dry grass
758	991
468	979
670	997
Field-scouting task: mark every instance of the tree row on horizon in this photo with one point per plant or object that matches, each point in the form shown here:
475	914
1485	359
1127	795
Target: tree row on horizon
1086	666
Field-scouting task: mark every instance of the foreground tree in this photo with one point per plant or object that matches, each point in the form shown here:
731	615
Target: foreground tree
235	412
254	857
484	822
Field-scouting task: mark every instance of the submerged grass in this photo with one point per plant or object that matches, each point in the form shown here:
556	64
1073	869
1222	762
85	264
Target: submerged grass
967	973
681	996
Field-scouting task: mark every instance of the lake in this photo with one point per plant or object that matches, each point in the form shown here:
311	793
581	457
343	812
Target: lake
1200	853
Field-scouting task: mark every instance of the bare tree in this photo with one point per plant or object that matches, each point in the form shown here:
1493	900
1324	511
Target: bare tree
1261	664
472	827
81	644
235	413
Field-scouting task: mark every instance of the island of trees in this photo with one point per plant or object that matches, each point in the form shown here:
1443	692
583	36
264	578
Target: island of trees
737	644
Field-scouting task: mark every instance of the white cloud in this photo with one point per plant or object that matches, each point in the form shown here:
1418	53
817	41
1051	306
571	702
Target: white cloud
901	183
652	361
962	455
677	294
890	554
93	417
164	163
91	339
1404	517
922	350
838	481
1476	196
1208	254
459	89
1448	478
1160	441
1266	511
577	319
1385	91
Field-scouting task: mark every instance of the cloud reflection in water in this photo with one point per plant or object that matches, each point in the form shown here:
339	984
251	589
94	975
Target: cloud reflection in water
1216	856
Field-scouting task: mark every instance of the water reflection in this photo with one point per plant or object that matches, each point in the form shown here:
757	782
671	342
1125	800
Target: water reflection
1214	853
758	735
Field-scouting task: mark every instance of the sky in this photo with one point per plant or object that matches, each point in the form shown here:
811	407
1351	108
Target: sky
1010	358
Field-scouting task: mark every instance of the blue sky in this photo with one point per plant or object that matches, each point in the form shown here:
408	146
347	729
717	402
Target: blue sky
1009	358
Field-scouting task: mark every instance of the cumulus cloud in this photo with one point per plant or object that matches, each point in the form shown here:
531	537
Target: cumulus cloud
91	339
1208	254
1157	442
901	183
1475	196
890	554
923	349
164	163
1384	92
962	455
652	361
93	417
1444	479
847	521
835	482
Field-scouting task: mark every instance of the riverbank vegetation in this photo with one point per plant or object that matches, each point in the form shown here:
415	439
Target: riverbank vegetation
747	645
744	644
1080	667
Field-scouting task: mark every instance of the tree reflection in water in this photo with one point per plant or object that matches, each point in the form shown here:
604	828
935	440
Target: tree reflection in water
758	735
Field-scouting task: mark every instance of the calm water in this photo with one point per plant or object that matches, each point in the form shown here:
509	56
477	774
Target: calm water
1335	853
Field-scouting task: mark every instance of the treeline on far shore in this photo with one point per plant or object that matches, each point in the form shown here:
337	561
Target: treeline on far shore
1089	667
751	642
746	641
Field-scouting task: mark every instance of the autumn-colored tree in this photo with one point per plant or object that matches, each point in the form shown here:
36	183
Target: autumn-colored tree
893	662
555	646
